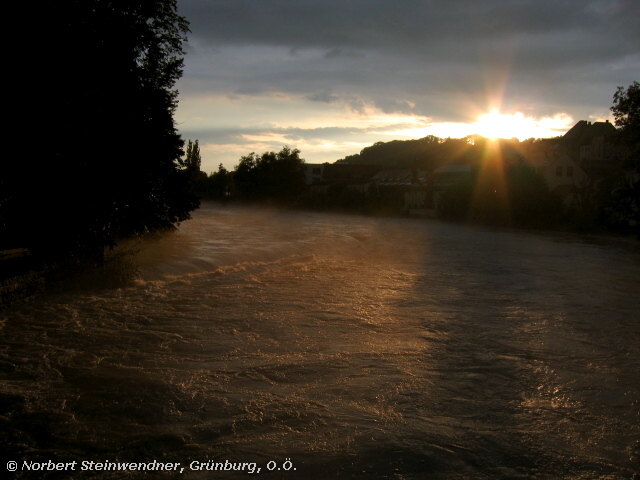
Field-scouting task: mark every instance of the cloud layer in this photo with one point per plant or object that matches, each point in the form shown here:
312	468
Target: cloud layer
333	76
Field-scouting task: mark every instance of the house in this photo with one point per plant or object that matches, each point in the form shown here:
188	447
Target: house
348	172
448	175
320	178
405	189
313	173
398	189
563	175
578	160
591	145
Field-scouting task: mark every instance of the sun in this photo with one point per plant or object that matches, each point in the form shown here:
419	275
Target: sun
492	124
500	125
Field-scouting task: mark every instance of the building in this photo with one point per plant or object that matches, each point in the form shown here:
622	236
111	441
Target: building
445	177
578	160
313	173
405	189
321	178
564	176
591	145
448	175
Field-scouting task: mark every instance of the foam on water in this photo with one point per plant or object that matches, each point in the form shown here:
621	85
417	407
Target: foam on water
355	346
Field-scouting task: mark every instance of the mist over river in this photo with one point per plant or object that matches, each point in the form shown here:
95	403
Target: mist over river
321	346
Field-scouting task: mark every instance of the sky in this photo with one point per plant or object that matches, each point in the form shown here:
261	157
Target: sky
331	77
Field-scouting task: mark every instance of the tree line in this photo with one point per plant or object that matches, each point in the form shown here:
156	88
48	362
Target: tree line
276	178
501	188
105	160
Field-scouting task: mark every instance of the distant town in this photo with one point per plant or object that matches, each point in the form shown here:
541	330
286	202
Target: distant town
578	181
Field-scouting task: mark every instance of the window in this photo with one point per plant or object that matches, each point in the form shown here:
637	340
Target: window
569	171
558	171
317	171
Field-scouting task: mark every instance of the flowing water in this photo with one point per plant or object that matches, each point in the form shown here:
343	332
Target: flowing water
302	345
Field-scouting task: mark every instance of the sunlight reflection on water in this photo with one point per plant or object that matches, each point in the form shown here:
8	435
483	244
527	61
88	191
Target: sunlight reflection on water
356	346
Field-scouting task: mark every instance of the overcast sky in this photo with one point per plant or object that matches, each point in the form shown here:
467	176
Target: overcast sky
331	77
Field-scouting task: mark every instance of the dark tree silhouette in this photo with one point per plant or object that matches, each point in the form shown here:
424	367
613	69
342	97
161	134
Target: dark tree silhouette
218	184
275	177
626	111
106	157
193	161
197	178
624	201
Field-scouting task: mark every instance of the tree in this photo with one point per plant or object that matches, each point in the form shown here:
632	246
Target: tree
197	178
218	184
626	111
277	177
193	160
106	162
625	199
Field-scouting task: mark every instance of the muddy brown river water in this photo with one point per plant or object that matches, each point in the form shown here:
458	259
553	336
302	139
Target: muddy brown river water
297	345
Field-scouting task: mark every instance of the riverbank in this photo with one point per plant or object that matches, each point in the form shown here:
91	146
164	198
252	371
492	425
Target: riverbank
21	277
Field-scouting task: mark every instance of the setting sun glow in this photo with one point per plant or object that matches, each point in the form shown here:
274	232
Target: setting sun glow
494	125
500	125
497	125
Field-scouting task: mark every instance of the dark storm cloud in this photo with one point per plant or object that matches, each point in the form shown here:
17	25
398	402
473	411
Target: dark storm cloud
394	52
446	60
409	25
338	53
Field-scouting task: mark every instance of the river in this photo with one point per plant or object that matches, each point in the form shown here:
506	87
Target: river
301	345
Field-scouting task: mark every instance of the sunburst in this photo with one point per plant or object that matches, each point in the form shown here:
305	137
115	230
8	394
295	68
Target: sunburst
504	125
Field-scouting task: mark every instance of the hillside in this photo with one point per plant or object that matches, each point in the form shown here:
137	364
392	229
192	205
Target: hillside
424	153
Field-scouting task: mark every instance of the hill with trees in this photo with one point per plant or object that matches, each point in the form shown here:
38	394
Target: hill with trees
425	153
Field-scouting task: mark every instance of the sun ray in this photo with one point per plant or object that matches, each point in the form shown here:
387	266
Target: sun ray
490	198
